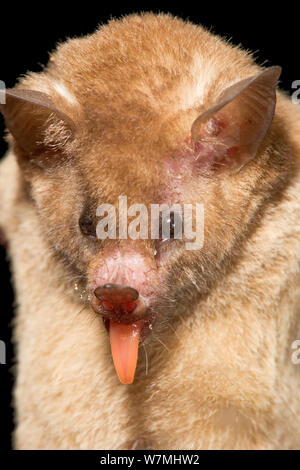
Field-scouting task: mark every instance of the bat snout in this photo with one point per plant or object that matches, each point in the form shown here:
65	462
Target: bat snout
122	286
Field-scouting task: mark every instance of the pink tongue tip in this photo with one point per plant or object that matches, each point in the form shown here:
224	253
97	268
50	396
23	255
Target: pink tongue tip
124	343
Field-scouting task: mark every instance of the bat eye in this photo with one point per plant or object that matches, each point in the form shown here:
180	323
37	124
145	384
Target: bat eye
87	225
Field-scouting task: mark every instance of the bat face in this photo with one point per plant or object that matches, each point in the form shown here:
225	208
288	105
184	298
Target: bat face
153	118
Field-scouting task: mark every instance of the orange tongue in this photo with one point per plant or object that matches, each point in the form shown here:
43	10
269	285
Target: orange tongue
124	343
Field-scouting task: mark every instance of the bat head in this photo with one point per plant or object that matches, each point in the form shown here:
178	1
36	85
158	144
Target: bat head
148	112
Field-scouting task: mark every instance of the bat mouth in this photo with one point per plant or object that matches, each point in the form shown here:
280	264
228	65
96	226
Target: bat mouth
124	305
146	326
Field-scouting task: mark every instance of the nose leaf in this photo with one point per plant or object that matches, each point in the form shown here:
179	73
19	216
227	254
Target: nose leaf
117	298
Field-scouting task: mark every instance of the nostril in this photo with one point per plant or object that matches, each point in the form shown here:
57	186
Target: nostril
116	293
107	305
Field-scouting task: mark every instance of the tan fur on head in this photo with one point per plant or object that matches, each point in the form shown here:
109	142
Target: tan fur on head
114	117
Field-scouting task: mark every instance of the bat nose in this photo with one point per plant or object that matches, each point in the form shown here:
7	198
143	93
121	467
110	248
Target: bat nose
117	298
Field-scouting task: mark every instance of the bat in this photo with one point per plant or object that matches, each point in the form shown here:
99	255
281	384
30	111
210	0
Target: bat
149	200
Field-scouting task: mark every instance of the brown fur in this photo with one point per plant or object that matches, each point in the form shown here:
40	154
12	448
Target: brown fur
220	372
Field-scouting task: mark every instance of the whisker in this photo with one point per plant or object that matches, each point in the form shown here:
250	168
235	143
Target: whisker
181	318
94	319
160	341
79	312
146	359
175	332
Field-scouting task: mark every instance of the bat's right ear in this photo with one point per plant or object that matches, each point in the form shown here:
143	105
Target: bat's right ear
231	132
27	116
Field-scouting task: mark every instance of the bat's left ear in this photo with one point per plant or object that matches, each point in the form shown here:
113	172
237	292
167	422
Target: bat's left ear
27	116
230	133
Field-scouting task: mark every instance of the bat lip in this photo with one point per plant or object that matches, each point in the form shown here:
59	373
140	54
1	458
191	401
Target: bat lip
146	330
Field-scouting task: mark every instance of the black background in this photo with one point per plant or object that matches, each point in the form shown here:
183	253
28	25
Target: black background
26	37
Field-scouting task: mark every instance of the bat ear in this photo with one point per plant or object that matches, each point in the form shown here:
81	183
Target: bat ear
230	133
27	114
